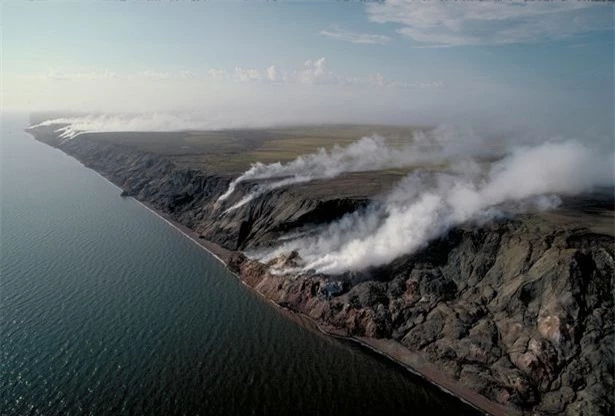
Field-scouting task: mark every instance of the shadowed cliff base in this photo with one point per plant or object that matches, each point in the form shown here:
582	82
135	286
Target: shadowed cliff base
517	308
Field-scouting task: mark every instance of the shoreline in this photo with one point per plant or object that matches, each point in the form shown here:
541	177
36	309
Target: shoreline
383	347
389	349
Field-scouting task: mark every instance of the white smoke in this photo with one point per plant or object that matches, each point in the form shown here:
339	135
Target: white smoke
261	189
367	154
425	205
71	127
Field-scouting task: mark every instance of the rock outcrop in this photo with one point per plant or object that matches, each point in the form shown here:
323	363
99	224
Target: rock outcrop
519	310
521	314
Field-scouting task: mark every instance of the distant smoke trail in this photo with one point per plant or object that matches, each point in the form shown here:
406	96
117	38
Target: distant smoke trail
367	154
425	205
73	126
262	189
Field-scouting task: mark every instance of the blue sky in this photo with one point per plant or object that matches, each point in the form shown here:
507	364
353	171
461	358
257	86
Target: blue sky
541	63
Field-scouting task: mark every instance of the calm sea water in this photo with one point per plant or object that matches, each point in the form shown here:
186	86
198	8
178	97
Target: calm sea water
107	310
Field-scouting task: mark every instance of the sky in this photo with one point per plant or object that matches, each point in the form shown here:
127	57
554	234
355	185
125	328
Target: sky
541	66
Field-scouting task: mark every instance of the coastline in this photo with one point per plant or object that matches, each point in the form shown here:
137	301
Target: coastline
386	348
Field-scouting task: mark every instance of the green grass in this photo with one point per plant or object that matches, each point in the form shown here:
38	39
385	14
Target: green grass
233	151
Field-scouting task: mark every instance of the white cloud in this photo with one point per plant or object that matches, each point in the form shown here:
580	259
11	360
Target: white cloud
185	74
218	74
54	75
160	75
312	72
338	33
491	22
155	74
97	75
376	79
274	75
239	74
315	72
247	74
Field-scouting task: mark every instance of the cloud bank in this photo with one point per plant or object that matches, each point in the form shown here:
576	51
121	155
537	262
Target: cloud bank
312	72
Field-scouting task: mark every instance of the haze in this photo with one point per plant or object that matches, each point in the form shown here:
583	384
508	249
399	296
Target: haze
530	66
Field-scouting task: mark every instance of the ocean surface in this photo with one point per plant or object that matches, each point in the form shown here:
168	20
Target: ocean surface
107	310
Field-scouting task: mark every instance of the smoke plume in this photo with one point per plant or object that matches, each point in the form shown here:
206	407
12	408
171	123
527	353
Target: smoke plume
367	154
481	179
71	127
425	204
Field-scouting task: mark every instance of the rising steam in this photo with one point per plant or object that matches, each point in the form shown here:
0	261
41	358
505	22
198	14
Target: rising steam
425	205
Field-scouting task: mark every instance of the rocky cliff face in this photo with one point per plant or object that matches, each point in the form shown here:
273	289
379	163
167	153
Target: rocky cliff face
520	310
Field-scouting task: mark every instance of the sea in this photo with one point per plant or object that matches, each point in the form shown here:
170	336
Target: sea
105	309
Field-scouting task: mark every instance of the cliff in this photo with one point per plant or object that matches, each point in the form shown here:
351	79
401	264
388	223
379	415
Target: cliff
518	311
